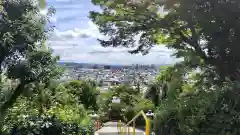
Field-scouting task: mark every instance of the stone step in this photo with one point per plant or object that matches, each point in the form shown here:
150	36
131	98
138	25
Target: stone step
111	129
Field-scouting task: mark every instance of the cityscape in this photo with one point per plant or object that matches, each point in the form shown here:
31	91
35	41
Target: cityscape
119	67
107	76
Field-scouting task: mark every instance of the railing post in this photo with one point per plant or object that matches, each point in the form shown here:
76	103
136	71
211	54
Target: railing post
147	127
119	126
147	122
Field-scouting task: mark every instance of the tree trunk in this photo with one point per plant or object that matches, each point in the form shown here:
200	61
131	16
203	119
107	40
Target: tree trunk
9	103
156	99
164	92
138	87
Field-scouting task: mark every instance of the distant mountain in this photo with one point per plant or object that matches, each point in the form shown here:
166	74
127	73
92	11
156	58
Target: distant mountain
89	65
112	66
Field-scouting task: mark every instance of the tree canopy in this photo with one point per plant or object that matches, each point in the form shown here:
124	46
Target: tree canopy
198	95
202	32
84	92
131	103
24	58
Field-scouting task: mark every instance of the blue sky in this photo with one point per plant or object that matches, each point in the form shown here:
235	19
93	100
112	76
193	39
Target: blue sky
75	38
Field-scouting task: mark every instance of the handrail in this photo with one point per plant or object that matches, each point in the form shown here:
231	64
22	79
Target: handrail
147	124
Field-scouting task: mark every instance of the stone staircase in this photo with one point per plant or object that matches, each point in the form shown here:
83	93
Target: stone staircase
110	128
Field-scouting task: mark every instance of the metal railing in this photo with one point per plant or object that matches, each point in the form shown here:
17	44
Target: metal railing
125	130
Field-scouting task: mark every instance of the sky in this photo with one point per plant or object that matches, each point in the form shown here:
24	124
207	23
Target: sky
75	38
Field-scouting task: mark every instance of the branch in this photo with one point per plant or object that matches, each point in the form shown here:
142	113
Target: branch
194	44
12	99
16	93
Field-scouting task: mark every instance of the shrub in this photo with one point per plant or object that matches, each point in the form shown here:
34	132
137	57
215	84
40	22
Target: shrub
69	113
205	112
49	125
131	103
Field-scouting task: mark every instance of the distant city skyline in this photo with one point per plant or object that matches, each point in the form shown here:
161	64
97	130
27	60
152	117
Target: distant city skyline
75	38
69	62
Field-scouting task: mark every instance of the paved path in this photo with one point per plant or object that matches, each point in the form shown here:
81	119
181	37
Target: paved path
110	128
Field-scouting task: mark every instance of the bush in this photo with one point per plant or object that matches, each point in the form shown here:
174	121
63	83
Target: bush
49	125
131	103
144	105
69	113
204	113
82	92
24	118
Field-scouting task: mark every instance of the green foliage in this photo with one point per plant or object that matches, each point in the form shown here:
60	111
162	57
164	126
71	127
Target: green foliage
203	112
23	35
131	103
143	104
27	72
168	83
69	113
199	108
199	95
52	104
46	125
200	32
193	96
82	92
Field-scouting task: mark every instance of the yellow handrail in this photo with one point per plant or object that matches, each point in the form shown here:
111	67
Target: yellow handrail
147	124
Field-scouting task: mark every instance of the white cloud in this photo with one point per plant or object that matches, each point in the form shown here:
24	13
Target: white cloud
109	55
71	45
77	42
90	31
75	33
117	58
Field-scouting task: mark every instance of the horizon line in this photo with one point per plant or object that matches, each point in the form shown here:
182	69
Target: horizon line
109	63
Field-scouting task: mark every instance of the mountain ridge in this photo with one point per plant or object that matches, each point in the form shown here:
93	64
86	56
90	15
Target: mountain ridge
79	65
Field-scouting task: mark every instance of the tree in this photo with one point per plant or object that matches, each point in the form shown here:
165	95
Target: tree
204	33
131	102
168	83
84	91
24	57
39	102
100	83
41	96
153	93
